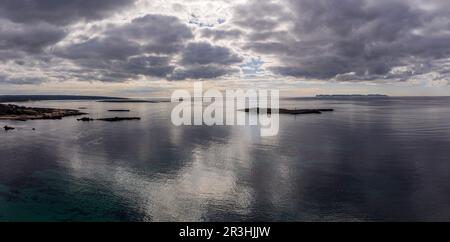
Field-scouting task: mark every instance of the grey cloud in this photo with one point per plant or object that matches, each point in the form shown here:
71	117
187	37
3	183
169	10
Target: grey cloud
5	79
201	60
260	15
201	72
59	12
28	38
20	62
266	35
351	40
121	70
326	38
103	48
30	27
156	33
262	24
204	53
9	54
149	65
220	34
148	46
145	46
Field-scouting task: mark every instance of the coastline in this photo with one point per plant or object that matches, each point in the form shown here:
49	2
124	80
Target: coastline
22	113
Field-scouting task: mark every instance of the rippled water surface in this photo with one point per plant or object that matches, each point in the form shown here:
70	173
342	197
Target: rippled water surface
374	159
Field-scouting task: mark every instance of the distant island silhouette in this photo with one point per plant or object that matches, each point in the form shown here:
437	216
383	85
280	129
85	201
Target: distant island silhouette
27	98
350	95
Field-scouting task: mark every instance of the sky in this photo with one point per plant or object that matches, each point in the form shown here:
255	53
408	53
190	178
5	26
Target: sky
148	48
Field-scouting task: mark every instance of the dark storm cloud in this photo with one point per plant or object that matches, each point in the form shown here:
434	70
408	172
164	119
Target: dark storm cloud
59	12
326	38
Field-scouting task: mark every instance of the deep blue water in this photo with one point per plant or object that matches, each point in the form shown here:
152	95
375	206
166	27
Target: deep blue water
372	160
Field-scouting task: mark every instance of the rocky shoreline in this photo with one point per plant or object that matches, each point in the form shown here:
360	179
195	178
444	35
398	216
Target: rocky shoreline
21	113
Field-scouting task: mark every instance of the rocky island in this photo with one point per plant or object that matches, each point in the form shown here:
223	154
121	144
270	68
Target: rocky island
287	111
119	110
115	119
21	113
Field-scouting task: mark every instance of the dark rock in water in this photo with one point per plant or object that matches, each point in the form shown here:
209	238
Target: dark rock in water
287	111
118	110
85	119
116	119
8	128
81	108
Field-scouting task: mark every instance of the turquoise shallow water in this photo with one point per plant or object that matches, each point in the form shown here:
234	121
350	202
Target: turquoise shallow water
372	159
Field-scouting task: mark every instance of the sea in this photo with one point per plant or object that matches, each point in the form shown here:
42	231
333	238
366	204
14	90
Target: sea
371	159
